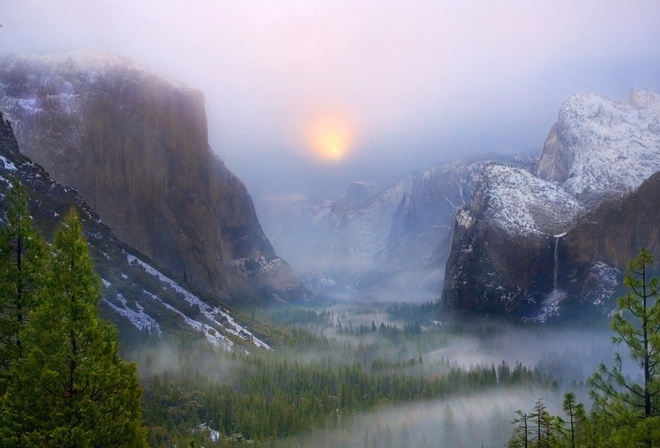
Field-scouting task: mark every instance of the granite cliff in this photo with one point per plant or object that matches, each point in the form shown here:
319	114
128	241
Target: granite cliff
135	145
592	256
539	244
502	243
140	297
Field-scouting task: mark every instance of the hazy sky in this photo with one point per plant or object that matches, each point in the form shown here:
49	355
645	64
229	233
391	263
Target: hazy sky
308	95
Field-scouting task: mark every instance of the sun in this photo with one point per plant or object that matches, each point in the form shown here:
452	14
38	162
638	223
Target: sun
330	137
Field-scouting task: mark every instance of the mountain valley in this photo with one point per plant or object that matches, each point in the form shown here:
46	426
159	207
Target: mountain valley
429	311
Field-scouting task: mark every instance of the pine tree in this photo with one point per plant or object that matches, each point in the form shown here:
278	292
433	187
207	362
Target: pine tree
71	389
546	426
576	418
634	407
521	433
23	258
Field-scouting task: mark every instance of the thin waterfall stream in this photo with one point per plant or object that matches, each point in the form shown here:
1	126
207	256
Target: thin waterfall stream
556	267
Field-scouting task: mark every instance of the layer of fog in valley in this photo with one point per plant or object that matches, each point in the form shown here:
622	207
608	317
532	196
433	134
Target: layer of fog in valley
380	343
566	357
482	420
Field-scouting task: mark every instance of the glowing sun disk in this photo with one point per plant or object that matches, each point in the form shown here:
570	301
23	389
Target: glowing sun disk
330	138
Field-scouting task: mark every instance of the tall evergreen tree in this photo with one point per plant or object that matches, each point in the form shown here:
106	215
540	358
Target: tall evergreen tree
546	426
576	417
71	389
634	406
23	259
521	433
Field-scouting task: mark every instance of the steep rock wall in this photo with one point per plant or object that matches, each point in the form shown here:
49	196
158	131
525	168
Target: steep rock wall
136	146
612	234
502	256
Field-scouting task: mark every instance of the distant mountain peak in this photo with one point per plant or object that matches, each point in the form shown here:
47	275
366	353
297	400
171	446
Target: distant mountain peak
600	149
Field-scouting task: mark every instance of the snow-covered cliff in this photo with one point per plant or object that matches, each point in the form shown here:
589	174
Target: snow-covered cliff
600	149
510	254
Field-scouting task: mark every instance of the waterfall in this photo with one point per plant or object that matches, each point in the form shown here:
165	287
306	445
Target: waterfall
555	296
556	268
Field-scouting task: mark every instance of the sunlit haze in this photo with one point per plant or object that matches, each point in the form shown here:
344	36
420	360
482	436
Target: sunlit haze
403	84
330	138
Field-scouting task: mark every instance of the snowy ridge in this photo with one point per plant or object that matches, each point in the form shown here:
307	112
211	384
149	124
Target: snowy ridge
611	147
210	333
521	203
61	83
217	318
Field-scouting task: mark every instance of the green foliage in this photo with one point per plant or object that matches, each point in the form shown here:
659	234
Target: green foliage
69	387
575	420
521	432
536	429
628	404
23	259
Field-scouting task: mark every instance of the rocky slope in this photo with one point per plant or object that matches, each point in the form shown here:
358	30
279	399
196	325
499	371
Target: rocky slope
531	245
139	297
385	244
135	145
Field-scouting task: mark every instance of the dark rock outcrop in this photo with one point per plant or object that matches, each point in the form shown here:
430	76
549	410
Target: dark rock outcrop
517	274
612	236
135	146
502	257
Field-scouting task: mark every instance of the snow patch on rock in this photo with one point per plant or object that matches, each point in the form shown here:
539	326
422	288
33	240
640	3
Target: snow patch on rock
140	320
601	283
9	166
521	203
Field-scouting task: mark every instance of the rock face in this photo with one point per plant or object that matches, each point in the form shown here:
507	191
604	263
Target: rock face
601	149
533	244
135	146
503	241
388	243
611	236
139	297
